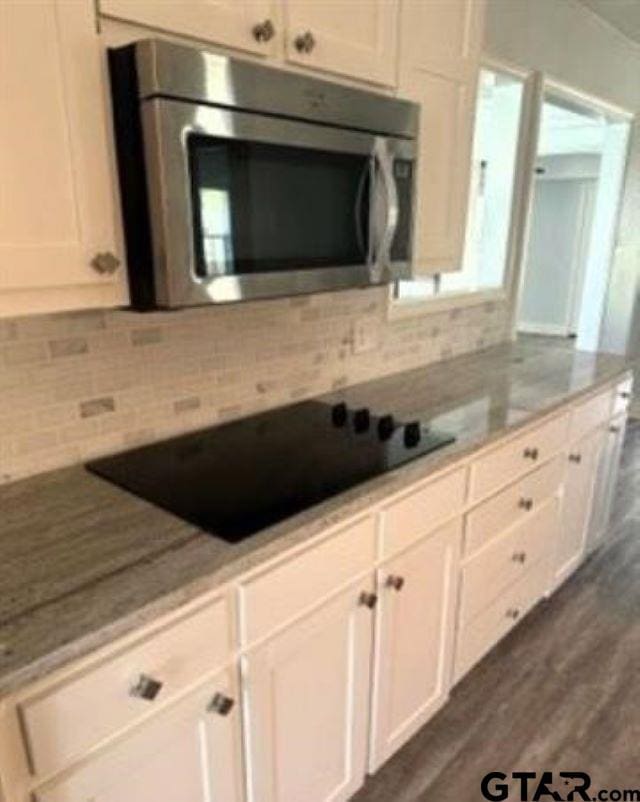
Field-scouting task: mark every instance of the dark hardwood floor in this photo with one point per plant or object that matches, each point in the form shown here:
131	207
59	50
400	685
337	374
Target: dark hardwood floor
560	693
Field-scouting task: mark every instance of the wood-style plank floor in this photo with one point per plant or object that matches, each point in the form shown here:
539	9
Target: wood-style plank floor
561	692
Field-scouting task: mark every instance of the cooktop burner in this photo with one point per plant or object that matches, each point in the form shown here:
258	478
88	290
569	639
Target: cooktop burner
236	479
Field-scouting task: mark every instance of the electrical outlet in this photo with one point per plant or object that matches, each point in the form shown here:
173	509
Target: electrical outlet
365	335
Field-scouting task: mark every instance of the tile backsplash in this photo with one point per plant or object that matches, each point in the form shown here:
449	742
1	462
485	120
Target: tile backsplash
78	385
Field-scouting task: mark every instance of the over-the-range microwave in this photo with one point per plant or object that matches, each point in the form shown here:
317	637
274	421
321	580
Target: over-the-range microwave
240	181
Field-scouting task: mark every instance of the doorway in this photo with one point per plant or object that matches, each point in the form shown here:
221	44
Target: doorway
579	172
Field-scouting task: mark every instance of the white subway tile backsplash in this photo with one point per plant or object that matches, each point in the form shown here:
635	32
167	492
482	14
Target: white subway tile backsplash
75	386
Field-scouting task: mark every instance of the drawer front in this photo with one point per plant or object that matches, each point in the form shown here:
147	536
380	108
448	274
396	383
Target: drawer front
405	521
64	722
286	590
516	503
476	638
505	463
591	414
506	559
622	396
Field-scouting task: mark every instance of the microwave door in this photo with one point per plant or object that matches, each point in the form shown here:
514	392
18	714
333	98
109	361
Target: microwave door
286	193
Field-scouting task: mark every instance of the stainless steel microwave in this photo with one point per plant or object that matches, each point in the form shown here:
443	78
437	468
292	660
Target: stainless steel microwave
239	181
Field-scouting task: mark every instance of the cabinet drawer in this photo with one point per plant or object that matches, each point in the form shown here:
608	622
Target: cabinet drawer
622	395
477	637
515	503
286	590
590	414
405	521
513	459
506	559
65	721
187	752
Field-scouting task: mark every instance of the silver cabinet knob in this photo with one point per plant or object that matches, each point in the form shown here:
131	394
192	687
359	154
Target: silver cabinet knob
530	453
305	42
264	31
105	263
614	429
577	458
368	599
625	395
146	688
519	557
395	582
513	613
525	503
221	704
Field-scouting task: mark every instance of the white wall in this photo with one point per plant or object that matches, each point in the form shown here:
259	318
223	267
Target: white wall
571	44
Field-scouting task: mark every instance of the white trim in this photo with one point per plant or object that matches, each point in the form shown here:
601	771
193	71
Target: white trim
400	308
490	62
552	86
550	329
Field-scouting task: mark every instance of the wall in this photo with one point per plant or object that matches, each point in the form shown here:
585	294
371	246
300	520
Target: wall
560	227
80	385
570	43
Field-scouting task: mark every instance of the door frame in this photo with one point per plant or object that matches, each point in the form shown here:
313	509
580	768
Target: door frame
541	84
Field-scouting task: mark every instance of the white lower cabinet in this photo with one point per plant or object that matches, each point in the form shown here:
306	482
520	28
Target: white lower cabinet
606	480
338	668
189	753
414	638
306	697
579	486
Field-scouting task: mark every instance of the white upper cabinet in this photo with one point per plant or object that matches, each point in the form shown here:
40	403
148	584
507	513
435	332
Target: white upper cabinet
59	247
440	45
249	25
354	39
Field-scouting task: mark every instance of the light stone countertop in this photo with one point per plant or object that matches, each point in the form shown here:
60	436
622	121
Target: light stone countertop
83	562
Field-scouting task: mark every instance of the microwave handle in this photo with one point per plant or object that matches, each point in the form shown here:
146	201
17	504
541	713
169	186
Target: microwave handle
367	172
384	236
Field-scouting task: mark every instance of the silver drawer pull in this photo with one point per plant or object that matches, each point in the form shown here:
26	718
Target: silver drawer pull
513	613
305	42
395	582
530	453
105	263
519	557
264	31
614	429
577	458
525	503
368	599
221	704
146	688
625	395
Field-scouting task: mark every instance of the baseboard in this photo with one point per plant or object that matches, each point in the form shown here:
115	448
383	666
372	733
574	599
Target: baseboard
549	329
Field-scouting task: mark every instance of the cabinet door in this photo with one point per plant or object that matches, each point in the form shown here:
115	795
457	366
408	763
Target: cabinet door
190	753
306	698
439	62
354	39
249	25
414	638
606	480
582	464
57	190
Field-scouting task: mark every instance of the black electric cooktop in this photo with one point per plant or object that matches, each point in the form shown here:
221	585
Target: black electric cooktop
236	479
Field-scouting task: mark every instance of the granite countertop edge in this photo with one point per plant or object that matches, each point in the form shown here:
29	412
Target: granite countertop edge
266	546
